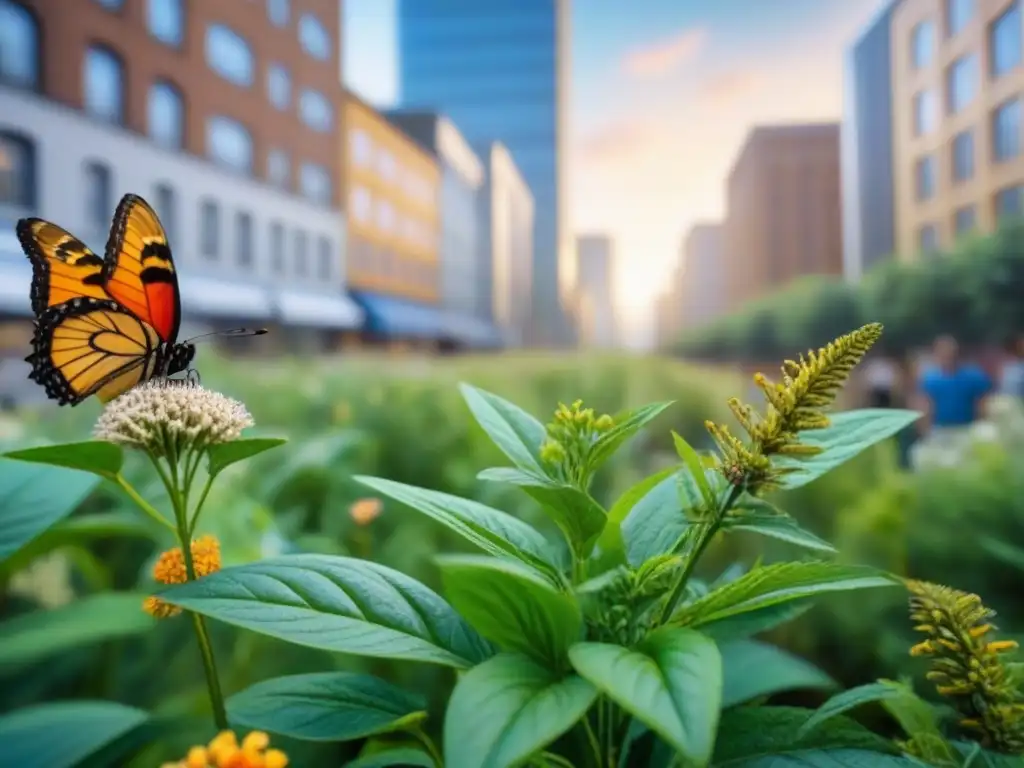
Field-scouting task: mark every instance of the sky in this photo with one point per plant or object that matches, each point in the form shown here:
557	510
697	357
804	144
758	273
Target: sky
662	95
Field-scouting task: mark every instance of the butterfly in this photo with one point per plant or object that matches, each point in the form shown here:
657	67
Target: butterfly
104	325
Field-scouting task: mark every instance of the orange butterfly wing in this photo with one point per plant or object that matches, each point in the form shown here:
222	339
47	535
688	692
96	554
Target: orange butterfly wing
139	269
63	267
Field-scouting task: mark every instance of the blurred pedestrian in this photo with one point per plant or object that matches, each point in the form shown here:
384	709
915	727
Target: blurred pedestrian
1011	377
880	376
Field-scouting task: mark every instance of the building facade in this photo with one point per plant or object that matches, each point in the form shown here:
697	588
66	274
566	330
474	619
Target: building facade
499	70
394	229
506	218
784	216
958	117
701	277
869	235
594	283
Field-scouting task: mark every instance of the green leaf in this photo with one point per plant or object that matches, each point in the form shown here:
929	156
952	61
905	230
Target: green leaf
692	461
516	433
97	457
779	583
672	682
658	520
744	625
509	708
223	455
767	736
63	734
403	756
31	637
325	706
338	604
495	532
844	701
752	669
579	517
611	539
626	425
512	607
849	433
782	527
34	497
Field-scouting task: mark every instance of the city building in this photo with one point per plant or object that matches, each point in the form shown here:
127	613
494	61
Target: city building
506	277
958	118
499	70
869	235
462	247
667	320
183	104
700	279
394	194
783	211
595	293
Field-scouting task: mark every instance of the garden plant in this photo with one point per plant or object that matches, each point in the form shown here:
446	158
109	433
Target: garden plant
596	648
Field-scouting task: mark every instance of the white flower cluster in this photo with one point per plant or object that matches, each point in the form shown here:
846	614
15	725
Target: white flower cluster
179	413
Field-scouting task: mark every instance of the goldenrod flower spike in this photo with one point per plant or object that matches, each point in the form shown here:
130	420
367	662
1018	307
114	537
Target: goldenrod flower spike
966	666
224	751
570	437
170	569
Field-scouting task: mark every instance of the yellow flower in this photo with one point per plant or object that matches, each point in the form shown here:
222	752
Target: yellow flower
570	438
967	666
224	751
170	569
365	511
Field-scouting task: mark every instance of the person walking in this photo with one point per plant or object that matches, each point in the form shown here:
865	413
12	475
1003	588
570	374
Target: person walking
1011	377
880	377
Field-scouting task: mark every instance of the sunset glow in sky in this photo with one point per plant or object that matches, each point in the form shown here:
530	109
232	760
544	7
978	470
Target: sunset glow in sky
663	93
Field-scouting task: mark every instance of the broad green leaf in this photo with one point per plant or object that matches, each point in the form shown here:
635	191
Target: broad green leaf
779	583
516	433
751	669
511	606
509	708
1009	553
671	681
399	756
657	521
611	539
578	516
34	636
495	532
693	463
744	625
34	497
338	604
325	706
843	702
64	734
223	455
919	718
747	735
97	457
781	527
626	425
824	758
849	433
976	757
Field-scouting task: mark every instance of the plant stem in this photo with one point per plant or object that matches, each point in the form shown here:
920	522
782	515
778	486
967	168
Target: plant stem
199	504
592	738
428	743
141	503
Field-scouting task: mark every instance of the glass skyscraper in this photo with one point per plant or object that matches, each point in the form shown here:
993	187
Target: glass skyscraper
498	69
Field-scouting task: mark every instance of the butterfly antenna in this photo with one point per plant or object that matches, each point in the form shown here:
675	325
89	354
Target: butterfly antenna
234	332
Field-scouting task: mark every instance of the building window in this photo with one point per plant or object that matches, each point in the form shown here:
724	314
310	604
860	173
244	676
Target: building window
964	220
962	82
229	143
925	112
361	147
229	55
314	38
958	13
1004	41
300	253
104	85
315	110
166	21
1008	202
19	46
243	239
928	238
385	215
315	183
277	248
209	229
279	86
325	258
17	178
361	203
925	177
166	205
99	198
386	166
278	12
111	5
279	168
963	156
1006	130
922	44
166	115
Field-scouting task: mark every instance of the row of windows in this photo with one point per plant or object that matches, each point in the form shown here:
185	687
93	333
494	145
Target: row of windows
1004	36
1008	203
382	214
368	258
366	155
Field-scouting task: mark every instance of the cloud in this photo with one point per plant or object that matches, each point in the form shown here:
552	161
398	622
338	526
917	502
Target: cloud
728	86
615	139
664	56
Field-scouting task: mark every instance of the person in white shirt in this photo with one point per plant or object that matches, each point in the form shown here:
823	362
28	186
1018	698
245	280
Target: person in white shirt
880	375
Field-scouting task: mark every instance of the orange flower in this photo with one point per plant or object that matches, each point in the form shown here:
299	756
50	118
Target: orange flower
224	751
365	511
170	569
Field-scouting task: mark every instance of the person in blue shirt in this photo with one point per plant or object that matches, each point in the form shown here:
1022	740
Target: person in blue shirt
952	391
